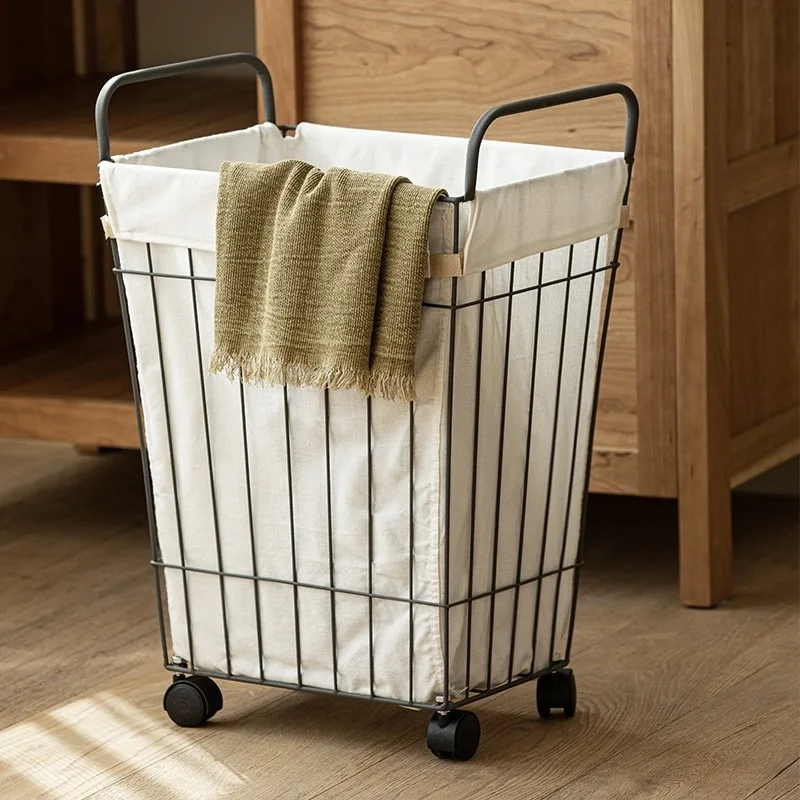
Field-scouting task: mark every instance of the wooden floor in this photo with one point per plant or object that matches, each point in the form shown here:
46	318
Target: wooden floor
673	703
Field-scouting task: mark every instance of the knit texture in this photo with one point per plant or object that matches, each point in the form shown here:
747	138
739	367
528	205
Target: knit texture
320	277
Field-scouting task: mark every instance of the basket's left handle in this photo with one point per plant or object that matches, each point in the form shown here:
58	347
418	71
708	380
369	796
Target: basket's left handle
171	71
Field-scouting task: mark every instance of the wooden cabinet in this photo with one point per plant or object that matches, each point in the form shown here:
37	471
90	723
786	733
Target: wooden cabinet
700	387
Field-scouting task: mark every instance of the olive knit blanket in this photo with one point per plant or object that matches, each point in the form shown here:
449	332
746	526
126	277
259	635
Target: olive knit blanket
320	276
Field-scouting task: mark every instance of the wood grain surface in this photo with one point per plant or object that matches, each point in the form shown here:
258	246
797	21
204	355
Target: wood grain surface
702	300
278	38
654	255
764	264
762	204
411	66
39	244
673	703
764	446
24	64
40	289
617	427
787	69
761	175
751	68
49	135
71	389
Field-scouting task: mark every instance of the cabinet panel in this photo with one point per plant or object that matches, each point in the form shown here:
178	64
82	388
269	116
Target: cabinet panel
751	75
763	61
414	66
764	258
787	70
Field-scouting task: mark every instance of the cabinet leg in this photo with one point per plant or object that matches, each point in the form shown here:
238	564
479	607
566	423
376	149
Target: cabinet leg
702	316
704	514
704	479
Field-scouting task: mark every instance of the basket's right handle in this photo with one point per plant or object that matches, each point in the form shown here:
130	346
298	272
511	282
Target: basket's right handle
550	101
171	71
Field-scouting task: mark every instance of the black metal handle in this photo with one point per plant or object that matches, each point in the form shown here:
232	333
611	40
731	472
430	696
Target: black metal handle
171	71
549	101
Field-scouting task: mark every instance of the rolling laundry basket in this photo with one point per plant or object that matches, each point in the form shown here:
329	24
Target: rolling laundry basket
424	554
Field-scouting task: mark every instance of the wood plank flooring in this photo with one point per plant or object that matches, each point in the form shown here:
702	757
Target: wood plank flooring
674	703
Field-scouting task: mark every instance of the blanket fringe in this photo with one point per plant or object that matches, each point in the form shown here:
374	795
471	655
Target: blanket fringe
267	370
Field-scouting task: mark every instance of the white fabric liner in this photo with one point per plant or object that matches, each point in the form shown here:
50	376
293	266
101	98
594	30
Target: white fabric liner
526	202
166	197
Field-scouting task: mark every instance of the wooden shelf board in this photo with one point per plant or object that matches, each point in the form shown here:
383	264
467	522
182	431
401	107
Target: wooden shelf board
49	136
76	390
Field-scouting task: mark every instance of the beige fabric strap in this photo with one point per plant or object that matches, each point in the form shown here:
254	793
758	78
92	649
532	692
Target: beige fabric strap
447	265
107	229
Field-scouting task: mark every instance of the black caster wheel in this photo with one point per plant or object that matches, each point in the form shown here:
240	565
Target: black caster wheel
556	691
192	700
455	735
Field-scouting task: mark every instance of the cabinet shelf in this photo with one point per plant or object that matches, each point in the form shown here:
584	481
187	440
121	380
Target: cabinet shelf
76	389
48	134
